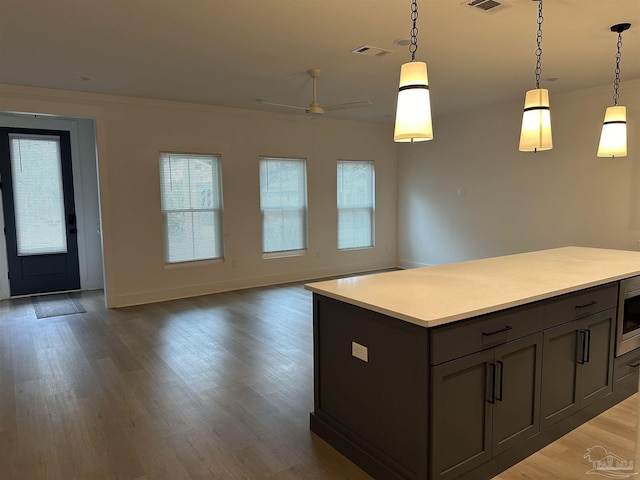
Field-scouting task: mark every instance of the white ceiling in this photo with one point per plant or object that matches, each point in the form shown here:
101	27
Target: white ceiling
232	52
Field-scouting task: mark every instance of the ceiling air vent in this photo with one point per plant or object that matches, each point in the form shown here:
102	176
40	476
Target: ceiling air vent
487	6
369	51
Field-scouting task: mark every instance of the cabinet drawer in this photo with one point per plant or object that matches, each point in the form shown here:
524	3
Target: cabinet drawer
628	365
470	336
572	306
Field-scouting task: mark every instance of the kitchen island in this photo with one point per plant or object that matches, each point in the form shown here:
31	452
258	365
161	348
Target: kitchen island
461	370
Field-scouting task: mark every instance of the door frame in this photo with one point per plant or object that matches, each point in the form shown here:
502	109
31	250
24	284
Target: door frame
53	123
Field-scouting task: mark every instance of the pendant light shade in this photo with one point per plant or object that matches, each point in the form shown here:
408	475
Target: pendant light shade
613	139
413	112
535	134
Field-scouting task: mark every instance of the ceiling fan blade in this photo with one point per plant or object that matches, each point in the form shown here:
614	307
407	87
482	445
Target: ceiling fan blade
340	106
264	102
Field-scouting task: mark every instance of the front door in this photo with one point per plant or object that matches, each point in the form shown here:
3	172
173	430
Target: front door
39	211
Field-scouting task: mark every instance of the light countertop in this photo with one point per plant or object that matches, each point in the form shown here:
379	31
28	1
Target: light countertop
432	296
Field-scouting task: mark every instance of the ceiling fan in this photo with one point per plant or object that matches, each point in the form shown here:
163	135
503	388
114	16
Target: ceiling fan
314	107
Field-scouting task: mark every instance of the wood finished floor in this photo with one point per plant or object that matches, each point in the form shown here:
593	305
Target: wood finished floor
214	387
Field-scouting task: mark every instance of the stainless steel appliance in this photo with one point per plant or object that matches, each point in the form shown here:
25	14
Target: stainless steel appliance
628	325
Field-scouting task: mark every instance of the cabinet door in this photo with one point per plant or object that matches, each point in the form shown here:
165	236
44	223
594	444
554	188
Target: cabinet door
559	394
596	376
461	420
516	412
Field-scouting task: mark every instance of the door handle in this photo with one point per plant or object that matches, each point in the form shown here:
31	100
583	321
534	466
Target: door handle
71	220
501	382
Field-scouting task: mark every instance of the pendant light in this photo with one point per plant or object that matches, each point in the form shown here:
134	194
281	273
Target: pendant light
413	111
535	134
613	139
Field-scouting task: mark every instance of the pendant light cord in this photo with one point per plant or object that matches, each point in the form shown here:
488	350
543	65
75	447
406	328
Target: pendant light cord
539	45
413	45
616	82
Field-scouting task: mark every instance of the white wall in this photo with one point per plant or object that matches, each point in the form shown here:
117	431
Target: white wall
470	193
131	133
85	183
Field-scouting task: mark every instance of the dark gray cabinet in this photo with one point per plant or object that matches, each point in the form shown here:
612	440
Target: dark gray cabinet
578	365
626	370
560	372
461	415
466	399
596	369
516	411
370	377
484	403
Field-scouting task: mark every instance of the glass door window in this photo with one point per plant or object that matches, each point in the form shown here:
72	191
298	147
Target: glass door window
38	195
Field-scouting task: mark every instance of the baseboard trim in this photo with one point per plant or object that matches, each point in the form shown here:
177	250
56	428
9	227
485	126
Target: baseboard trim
153	296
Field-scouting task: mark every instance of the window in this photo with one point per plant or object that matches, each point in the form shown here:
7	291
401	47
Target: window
38	194
191	189
356	204
283	203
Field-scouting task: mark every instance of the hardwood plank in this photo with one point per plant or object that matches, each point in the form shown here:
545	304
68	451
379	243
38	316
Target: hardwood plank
615	430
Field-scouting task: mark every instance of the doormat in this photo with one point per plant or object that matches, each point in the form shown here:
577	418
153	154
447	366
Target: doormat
56	305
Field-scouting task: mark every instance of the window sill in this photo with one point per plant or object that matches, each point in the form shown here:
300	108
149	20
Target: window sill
350	249
193	263
284	254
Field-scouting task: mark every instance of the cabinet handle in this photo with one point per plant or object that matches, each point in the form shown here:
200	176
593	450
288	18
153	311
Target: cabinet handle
495	332
588	346
635	365
500	385
590	304
493	383
583	353
584	338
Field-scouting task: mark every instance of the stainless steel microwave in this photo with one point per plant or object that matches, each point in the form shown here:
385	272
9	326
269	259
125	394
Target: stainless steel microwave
628	323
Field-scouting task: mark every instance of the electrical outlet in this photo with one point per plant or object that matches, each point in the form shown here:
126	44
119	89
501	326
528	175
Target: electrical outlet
360	351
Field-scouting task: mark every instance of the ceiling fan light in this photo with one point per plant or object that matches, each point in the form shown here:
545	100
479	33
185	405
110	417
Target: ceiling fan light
613	139
413	111
535	134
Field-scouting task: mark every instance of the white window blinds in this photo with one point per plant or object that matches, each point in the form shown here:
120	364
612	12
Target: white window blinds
356	204
191	188
38	195
283	203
